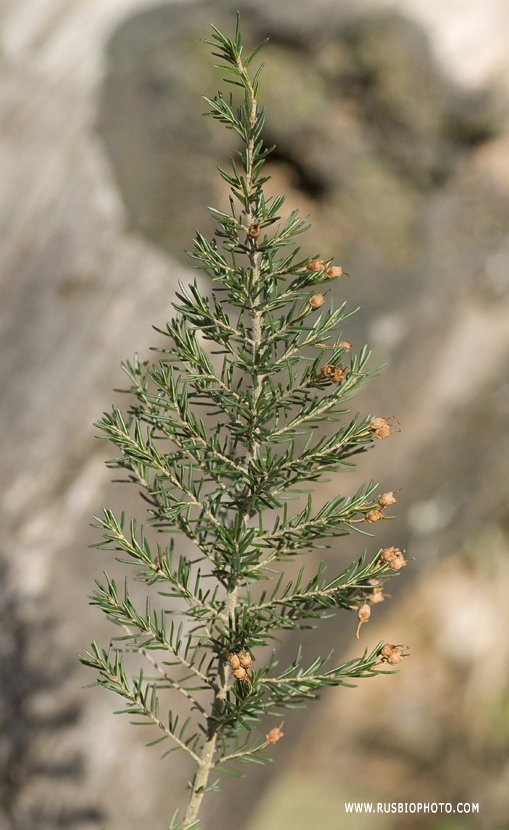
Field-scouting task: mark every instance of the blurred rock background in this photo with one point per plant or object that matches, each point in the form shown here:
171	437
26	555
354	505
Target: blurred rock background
391	125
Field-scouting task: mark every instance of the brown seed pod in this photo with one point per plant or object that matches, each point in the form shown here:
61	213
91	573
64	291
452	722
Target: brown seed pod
392	558
316	300
335	271
233	660
387	498
381	427
275	734
245	658
344	345
397	563
393	654
240	673
388	554
374	515
316	265
363	615
378	423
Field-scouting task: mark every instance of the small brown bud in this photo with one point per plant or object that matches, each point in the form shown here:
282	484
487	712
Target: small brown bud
275	734
240	673
316	265
344	345
394	654
233	660
245	658
335	271
316	300
374	515
387	498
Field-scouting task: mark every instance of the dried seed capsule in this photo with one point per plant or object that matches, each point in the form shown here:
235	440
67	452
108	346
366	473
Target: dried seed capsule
387	498
316	300
381	427
344	345
332	373
374	515
363	615
245	658
339	375
394	654
328	371
274	735
388	554
397	563
335	271
240	673
393	558
316	265
233	660
378	423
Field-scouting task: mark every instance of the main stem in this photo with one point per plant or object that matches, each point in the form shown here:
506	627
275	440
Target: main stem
207	757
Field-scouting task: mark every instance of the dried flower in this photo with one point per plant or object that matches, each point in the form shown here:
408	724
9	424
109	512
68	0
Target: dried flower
316	300
397	563
316	265
245	658
363	615
376	593
335	271
387	554
374	515
339	375
387	498
381	427
254	230
275	734
240	663
327	371
344	345
393	654
233	660
393	558
333	373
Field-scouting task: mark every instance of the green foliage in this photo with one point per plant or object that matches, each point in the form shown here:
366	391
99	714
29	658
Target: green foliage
220	441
